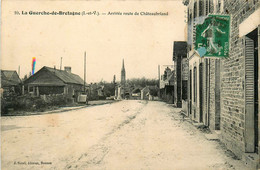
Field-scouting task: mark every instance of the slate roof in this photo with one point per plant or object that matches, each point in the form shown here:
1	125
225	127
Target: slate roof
179	48
3	75
9	78
146	87
65	76
136	90
171	77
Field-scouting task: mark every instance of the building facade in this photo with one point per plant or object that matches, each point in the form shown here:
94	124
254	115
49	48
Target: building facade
203	76
223	93
240	81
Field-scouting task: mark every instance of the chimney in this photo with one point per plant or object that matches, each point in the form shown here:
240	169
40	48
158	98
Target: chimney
68	69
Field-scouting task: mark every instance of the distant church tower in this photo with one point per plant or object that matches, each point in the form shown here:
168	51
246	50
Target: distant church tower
123	74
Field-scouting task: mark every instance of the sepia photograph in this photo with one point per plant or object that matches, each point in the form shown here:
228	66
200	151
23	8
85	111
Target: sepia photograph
130	84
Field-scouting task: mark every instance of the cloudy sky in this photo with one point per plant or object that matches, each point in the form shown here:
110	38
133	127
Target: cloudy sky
143	41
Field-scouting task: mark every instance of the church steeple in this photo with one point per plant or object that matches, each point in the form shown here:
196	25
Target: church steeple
123	66
123	73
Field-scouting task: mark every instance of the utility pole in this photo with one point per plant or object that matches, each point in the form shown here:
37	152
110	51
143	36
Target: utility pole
19	71
114	84
60	63
159	78
114	79
85	72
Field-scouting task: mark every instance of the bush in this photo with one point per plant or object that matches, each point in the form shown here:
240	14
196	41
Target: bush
58	100
32	103
40	103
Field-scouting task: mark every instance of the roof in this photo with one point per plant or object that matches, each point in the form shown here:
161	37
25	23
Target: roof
179	49
146	87
6	83
171	77
9	78
63	76
136	90
3	75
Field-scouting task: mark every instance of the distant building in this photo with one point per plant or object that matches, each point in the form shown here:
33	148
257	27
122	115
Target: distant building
145	93
10	82
136	93
167	85
96	91
53	81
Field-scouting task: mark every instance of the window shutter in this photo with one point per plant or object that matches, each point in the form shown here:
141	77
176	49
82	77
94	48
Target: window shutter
249	95
194	34
207	7
201	8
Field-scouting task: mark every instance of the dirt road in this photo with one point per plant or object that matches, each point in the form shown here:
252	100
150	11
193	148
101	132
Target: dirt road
130	135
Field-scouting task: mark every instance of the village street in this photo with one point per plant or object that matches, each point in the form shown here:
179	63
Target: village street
128	135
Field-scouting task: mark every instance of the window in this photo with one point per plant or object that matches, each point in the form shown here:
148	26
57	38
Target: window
195	10
190	84
211	6
219	6
201	8
207	7
190	16
30	89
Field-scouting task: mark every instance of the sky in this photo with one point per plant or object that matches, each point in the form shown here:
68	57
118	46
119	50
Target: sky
144	42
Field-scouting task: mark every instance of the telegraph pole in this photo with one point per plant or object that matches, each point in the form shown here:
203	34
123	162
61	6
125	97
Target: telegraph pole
159	78
19	70
85	72
60	63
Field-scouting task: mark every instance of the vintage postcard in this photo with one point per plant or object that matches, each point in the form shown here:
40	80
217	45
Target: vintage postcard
130	84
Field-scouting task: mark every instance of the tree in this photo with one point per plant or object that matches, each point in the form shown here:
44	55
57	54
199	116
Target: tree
154	90
142	82
25	77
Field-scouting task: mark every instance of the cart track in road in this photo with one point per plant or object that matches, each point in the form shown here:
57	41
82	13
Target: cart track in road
96	153
122	136
153	138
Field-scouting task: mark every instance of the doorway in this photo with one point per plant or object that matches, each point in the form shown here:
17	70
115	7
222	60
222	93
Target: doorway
190	100
251	91
217	94
201	91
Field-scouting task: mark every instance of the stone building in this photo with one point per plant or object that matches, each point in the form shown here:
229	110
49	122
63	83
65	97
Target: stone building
240	81
181	71
203	75
223	93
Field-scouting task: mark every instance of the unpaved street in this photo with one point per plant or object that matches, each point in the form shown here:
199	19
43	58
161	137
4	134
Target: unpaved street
128	135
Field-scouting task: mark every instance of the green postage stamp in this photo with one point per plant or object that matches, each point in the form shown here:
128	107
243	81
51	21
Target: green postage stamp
212	37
